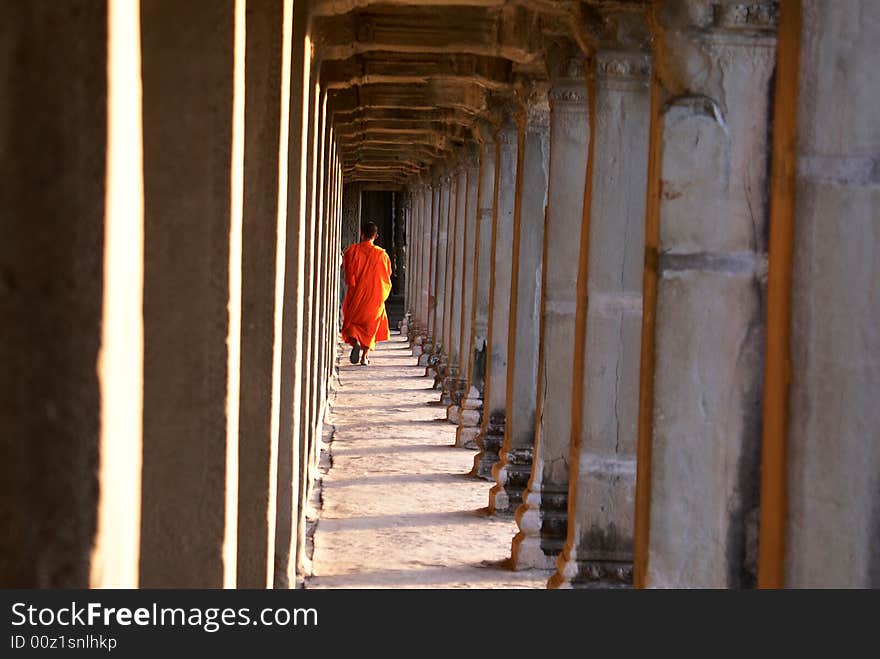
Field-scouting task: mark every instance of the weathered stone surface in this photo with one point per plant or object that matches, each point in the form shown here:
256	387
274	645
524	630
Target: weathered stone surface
258	438
512	472
605	439
187	76
833	526
537	544
495	396
709	330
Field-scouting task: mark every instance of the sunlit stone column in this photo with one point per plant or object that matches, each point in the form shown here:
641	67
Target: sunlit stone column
706	248
472	171
427	286
495	395
191	305
440	257
291	417
412	259
262	260
542	516
459	274
514	467
471	414
313	154
833	471
430	268
420	240
454	255
598	549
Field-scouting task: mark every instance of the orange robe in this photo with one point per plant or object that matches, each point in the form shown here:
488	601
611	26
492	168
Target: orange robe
368	277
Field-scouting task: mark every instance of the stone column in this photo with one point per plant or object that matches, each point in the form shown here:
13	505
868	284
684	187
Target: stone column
53	127
412	261
542	517
416	233
426	290
291	418
189	306
440	262
307	429
351	214
514	467
458	387
401	211
832	476
456	287
430	270
322	192
495	395
471	415
449	352
262	259
703	334
598	548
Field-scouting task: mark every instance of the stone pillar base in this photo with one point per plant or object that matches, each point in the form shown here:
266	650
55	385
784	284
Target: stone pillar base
466	437
543	523
442	373
470	415
456	388
452	414
574	573
447	396
511	474
489	442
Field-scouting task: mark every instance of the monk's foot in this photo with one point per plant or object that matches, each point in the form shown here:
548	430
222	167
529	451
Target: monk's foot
355	353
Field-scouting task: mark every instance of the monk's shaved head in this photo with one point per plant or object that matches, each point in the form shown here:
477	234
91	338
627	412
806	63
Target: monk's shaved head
369	230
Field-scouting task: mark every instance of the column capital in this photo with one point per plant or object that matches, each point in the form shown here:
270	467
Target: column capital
536	104
507	135
631	66
470	156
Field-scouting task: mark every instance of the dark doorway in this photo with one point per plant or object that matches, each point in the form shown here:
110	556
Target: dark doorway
380	206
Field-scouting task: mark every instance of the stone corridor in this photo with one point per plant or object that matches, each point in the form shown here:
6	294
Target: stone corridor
399	510
634	249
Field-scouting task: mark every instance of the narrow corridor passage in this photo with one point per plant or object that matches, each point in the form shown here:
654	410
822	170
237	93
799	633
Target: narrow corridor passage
398	508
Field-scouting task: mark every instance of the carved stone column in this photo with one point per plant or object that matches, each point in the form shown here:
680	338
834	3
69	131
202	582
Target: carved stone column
542	517
832	442
435	367
415	238
458	385
703	345
458	207
598	548
512	471
495	395
430	281
471	413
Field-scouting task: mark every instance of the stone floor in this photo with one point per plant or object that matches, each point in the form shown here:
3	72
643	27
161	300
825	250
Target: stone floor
398	508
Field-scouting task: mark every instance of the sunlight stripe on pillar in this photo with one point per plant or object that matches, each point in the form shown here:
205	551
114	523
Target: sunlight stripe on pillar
116	551
233	338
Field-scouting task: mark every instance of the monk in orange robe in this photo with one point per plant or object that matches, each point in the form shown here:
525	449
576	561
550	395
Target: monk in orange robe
368	277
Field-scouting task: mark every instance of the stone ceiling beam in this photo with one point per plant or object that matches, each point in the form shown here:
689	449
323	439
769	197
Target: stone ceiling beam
508	32
400	69
338	7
